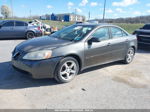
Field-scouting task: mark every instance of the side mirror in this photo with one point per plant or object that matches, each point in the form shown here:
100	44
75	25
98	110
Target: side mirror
93	39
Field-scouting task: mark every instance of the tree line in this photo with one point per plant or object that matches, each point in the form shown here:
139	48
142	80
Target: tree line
6	11
131	20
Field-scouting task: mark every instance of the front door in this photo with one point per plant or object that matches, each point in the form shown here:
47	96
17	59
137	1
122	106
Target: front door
6	30
98	52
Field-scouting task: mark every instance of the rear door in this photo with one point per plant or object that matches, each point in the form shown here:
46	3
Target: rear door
119	43
20	29
6	31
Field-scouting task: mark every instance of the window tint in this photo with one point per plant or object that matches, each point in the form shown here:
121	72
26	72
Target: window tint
116	32
8	24
19	24
124	33
73	33
25	24
101	33
147	26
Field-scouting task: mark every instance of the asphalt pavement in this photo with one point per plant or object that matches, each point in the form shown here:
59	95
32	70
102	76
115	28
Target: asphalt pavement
110	86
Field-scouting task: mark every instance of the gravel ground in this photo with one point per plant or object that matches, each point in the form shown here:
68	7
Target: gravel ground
111	86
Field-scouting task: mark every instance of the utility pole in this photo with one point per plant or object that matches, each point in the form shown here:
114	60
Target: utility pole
30	14
89	15
75	15
11	3
104	11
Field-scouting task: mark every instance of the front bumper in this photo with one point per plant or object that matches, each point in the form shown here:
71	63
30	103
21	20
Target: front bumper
38	69
38	34
143	40
144	43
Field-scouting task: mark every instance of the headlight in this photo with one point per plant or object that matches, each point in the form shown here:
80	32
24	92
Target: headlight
38	55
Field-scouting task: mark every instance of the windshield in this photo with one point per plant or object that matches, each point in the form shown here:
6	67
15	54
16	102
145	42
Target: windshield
73	33
1	22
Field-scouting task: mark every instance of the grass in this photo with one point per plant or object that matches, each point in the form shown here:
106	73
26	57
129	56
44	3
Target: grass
128	27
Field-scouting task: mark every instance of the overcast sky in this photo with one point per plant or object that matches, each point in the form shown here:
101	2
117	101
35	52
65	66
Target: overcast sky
114	8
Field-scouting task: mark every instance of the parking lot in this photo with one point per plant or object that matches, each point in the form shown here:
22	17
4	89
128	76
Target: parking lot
111	86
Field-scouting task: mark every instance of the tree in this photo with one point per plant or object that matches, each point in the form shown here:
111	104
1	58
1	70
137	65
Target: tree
5	11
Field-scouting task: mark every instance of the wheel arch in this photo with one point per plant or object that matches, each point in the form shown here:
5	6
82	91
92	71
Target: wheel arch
29	31
77	58
134	48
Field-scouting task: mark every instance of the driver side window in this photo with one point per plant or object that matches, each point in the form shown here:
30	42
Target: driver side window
9	24
102	34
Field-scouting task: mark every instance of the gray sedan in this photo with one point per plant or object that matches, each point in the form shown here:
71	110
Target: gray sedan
13	29
63	54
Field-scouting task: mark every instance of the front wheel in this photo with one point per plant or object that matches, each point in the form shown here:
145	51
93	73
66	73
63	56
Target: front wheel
67	69
129	56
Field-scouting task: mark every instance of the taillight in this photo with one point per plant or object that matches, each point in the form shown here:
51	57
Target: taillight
39	29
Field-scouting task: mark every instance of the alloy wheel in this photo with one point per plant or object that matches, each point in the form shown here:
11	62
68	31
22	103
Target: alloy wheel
30	35
68	70
130	55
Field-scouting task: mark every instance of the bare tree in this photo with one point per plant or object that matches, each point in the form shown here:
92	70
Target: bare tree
5	11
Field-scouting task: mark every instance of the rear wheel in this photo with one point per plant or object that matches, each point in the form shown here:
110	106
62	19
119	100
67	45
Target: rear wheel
67	69
30	35
130	55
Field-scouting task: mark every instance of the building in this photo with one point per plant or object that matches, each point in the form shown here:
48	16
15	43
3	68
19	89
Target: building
45	17
67	17
53	17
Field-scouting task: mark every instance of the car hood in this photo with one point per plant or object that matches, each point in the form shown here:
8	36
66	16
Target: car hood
42	43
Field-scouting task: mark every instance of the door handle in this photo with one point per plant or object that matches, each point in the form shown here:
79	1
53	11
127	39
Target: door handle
127	40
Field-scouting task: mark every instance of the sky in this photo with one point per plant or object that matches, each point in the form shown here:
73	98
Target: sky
114	8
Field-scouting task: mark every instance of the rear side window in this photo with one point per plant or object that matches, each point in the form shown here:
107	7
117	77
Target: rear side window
25	24
20	24
146	27
102	33
8	24
117	32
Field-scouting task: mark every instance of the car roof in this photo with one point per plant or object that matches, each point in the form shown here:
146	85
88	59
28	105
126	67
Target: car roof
12	20
147	24
96	25
101	25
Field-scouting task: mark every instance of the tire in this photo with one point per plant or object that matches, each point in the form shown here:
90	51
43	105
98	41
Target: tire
30	35
129	56
66	70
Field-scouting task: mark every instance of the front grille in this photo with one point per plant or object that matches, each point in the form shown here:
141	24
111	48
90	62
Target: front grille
143	38
144	33
16	54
